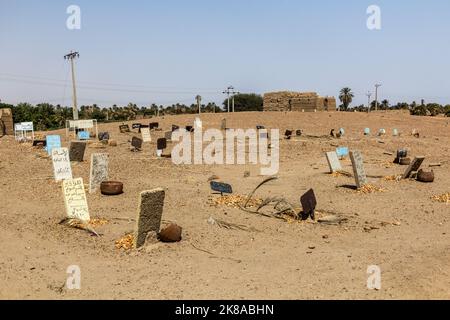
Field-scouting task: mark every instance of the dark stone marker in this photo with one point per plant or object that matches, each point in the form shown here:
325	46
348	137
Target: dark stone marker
136	143
103	136
221	187
260	127
414	166
175	128
161	144
189	129
42	143
154	125
309	203
151	204
124	128
76	151
299	133
402	153
288	134
136	126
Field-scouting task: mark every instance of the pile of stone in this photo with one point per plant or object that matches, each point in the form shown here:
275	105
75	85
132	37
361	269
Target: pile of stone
6	122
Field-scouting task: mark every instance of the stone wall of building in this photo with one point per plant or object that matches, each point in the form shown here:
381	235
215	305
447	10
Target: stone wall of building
6	122
298	101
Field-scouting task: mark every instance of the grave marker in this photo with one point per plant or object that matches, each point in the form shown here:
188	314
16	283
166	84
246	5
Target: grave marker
175	128
83	135
124	128
53	141
309	203
146	137
168	135
99	170
103	136
414	166
136	143
358	169
76	151
221	187
151	204
333	161
75	199
342	152
154	125
367	131
61	164
136	126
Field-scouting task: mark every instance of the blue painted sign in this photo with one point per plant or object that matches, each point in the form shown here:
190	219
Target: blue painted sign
342	152
53	141
83	135
221	187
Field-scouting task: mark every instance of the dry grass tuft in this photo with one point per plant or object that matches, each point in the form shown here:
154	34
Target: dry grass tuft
126	242
369	188
236	200
444	198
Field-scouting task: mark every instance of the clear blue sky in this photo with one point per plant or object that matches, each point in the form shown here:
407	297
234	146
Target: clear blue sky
169	51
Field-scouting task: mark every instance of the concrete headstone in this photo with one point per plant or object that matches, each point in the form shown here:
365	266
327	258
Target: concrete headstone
61	164
75	199
333	161
146	137
358	168
99	170
76	151
151	204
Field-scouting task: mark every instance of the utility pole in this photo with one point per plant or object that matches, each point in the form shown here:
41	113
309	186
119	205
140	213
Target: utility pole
71	56
376	96
368	94
199	103
230	91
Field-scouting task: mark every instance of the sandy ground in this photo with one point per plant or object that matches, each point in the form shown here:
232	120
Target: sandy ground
401	230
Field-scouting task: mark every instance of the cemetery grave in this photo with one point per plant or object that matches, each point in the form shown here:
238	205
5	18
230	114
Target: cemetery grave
250	228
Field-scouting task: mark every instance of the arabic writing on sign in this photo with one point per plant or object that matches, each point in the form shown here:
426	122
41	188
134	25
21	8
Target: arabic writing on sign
75	199
61	164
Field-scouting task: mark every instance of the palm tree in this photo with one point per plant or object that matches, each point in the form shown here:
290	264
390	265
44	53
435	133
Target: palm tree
346	96
385	104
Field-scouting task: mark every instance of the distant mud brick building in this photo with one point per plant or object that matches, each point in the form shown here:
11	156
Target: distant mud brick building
298	101
6	122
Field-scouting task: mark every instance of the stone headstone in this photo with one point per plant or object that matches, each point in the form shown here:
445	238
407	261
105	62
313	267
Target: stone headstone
99	170
39	143
333	162
103	136
414	166
151	204
76	151
309	203
154	125
221	187
136	143
161	144
299	133
342	132
124	128
288	134
367	131
198	125
83	135
342	152
75	199
189	128
358	168
61	164
395	132
146	137
53	141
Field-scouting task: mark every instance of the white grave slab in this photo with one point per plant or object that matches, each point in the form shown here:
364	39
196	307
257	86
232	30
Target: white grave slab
75	199
146	137
333	161
61	164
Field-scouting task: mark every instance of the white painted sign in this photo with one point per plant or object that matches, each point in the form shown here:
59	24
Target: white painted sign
333	162
81	124
75	199
61	164
146	137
